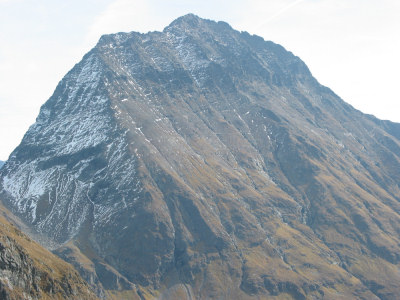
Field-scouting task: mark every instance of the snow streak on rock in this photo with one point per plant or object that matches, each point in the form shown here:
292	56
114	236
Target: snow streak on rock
70	149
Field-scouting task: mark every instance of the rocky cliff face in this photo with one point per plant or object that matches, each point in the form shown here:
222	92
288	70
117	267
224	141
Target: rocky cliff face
28	271
203	162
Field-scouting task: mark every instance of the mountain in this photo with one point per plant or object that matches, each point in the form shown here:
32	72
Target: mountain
28	271
1	163
203	162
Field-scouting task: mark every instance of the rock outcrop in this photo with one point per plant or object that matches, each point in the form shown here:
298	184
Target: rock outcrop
28	271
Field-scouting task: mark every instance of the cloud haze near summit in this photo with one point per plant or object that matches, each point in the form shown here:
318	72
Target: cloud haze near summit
350	46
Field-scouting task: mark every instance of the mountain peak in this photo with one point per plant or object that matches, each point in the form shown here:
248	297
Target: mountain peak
211	162
192	22
188	19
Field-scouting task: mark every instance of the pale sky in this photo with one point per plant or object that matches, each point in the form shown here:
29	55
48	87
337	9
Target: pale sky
351	46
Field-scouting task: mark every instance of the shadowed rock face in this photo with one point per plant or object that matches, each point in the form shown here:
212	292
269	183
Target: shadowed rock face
205	162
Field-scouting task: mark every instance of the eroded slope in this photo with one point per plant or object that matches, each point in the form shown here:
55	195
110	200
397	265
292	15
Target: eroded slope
28	271
204	162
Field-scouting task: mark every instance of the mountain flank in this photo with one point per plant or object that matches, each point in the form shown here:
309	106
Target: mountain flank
202	162
28	271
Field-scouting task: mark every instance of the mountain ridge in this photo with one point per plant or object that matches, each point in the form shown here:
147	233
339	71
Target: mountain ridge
205	161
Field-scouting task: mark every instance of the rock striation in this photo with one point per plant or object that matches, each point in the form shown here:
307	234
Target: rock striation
203	162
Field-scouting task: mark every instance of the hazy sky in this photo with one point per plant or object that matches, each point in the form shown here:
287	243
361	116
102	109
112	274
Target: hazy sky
351	46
